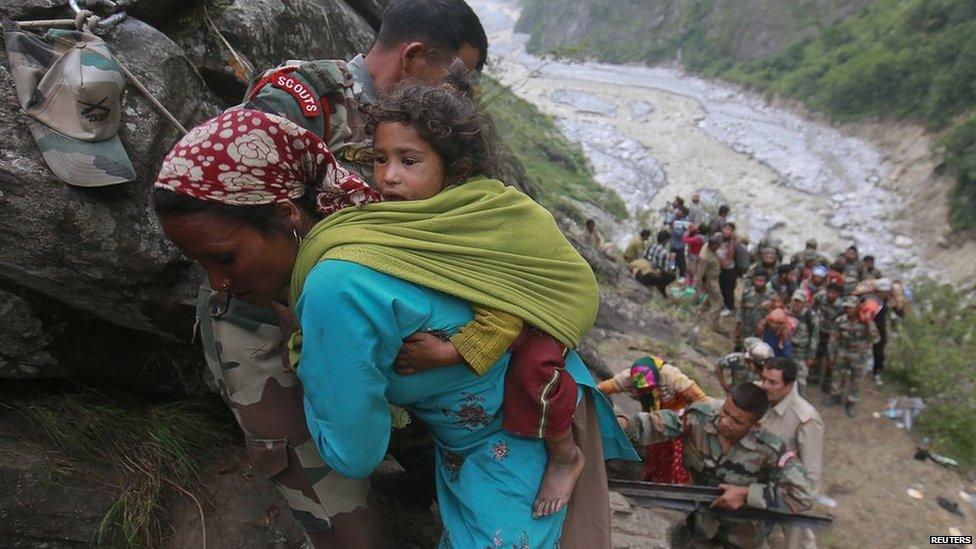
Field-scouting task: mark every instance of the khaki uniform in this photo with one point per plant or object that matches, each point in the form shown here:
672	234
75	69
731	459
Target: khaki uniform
850	351
798	424
635	249
706	279
776	479
871	274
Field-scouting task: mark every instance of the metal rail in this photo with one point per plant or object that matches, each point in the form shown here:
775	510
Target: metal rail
692	498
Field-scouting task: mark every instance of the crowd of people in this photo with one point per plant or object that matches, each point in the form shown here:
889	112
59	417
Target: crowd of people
830	316
384	279
799	321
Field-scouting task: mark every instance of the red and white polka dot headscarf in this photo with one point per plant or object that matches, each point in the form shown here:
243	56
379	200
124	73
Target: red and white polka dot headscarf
247	157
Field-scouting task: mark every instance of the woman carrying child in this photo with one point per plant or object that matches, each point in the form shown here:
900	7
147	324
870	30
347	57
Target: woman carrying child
364	279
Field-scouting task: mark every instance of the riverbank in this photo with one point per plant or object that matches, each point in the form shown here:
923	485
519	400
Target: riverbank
653	132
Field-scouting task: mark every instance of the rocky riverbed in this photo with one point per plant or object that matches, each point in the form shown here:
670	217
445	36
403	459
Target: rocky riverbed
652	133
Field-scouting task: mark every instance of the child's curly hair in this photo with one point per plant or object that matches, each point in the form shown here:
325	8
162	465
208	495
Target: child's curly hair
446	117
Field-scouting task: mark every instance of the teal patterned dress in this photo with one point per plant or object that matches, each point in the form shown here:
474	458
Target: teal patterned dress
353	322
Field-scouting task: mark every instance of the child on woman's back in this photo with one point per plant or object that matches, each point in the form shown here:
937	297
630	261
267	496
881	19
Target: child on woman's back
427	138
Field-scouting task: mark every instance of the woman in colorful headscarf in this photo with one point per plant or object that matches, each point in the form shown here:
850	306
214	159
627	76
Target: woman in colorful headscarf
244	194
658	385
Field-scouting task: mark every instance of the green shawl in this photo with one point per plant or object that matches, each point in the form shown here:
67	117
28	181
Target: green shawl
480	241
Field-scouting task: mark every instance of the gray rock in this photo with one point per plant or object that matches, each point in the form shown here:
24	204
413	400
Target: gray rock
23	341
98	250
267	33
903	241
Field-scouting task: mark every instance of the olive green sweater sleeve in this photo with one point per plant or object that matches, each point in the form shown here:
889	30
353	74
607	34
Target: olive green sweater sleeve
485	339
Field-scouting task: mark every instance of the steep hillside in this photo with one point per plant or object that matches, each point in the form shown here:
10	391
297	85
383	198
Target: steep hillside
905	59
702	32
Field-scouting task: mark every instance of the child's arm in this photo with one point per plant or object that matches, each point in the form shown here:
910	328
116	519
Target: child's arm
479	343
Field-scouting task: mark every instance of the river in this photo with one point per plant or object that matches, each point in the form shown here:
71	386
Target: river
653	133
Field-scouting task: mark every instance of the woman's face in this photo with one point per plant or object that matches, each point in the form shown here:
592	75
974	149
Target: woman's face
249	264
405	166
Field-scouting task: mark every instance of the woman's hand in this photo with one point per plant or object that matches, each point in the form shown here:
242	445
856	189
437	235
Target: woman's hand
424	351
288	325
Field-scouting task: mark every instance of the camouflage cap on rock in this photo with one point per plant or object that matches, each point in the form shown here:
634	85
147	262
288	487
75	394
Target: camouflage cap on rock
71	87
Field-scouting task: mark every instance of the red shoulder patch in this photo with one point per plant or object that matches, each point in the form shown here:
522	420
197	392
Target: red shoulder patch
300	92
785	458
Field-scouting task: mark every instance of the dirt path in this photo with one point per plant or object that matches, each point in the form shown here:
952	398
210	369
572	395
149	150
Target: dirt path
868	466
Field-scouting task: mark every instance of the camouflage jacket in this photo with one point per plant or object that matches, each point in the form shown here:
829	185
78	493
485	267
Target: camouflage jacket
828	312
852	274
751	310
325	97
807	335
776	479
853	337
736	369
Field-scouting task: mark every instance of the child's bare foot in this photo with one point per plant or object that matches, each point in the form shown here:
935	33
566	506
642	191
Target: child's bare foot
558	481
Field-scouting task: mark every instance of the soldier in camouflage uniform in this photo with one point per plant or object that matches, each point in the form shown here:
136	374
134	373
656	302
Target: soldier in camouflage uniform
850	352
853	269
745	367
725	448
751	309
805	338
827	304
243	344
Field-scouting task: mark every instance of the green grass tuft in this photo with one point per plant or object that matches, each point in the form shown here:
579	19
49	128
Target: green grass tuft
552	163
158	447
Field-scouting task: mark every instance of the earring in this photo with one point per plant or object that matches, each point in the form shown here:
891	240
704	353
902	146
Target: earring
298	239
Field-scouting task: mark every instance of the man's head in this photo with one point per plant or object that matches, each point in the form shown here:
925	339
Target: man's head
757	351
723	210
645	234
742	410
869	261
590	225
811	244
850	254
778	376
818	275
767	256
850	306
728	230
681	212
663	236
715	240
834	292
696	198
419	39
759	278
785	273
798	302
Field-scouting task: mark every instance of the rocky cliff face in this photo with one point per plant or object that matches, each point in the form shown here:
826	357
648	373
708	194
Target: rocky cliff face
660	30
92	261
88	284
